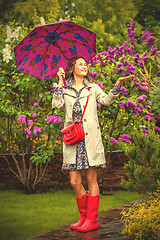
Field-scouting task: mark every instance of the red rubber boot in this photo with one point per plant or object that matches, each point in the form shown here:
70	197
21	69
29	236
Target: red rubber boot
82	207
91	222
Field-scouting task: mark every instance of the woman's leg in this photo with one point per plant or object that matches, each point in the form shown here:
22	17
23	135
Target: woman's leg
81	197
91	222
92	181
76	182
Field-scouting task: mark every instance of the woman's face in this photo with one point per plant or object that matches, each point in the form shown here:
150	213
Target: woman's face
81	68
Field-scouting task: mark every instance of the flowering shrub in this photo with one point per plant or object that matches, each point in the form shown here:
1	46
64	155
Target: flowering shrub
142	220
26	101
25	109
135	102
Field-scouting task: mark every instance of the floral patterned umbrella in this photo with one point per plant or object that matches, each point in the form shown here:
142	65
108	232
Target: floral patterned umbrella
50	46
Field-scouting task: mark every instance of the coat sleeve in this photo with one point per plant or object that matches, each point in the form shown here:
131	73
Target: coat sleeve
58	100
103	98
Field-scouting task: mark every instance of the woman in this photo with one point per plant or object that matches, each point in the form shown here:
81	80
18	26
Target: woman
88	154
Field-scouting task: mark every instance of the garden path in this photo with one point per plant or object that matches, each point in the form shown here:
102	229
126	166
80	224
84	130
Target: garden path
110	228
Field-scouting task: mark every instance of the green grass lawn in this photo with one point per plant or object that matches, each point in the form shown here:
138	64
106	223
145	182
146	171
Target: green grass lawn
23	216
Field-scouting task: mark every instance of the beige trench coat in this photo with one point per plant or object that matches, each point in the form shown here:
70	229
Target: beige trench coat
93	140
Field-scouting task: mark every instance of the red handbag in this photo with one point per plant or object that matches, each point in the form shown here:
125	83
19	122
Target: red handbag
74	133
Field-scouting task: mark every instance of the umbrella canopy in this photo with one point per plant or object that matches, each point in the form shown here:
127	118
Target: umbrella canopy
50	46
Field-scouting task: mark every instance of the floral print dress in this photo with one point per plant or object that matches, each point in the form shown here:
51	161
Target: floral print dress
81	152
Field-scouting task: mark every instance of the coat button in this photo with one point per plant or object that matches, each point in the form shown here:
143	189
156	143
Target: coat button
85	120
86	133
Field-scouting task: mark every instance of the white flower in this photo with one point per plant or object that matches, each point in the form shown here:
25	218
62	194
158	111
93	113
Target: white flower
11	34
42	20
55	85
7	54
73	4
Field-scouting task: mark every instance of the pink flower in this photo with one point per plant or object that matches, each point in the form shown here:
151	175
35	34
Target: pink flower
36	104
28	132
59	137
157	129
123	90
36	129
101	86
53	118
141	98
145	131
30	122
98	105
21	118
111	139
125	137
98	83
34	115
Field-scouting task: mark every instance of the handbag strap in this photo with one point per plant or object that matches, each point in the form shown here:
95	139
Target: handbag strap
85	107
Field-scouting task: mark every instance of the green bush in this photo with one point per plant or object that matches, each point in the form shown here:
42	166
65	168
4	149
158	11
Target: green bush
143	168
142	221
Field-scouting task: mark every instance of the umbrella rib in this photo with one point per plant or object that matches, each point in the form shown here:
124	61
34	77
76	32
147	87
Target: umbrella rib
61	51
74	41
45	55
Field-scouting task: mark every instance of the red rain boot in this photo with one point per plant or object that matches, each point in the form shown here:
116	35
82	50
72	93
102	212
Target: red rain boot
91	222
82	207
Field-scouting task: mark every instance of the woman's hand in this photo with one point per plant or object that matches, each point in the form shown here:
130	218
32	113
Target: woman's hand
60	74
124	79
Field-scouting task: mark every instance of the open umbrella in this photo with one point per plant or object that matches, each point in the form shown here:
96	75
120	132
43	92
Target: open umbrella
50	46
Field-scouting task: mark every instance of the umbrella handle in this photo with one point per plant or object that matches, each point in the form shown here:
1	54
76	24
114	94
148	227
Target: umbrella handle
64	82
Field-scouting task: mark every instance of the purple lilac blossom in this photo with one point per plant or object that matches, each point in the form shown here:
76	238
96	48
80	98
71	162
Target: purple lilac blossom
123	90
154	51
131	33
121	105
59	137
149	41
145	131
158	119
36	104
143	59
93	75
30	122
111	139
130	70
136	58
158	74
119	51
119	64
130	50
120	70
157	129
28	132
21	118
141	98
139	86
148	116
125	137
147	36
